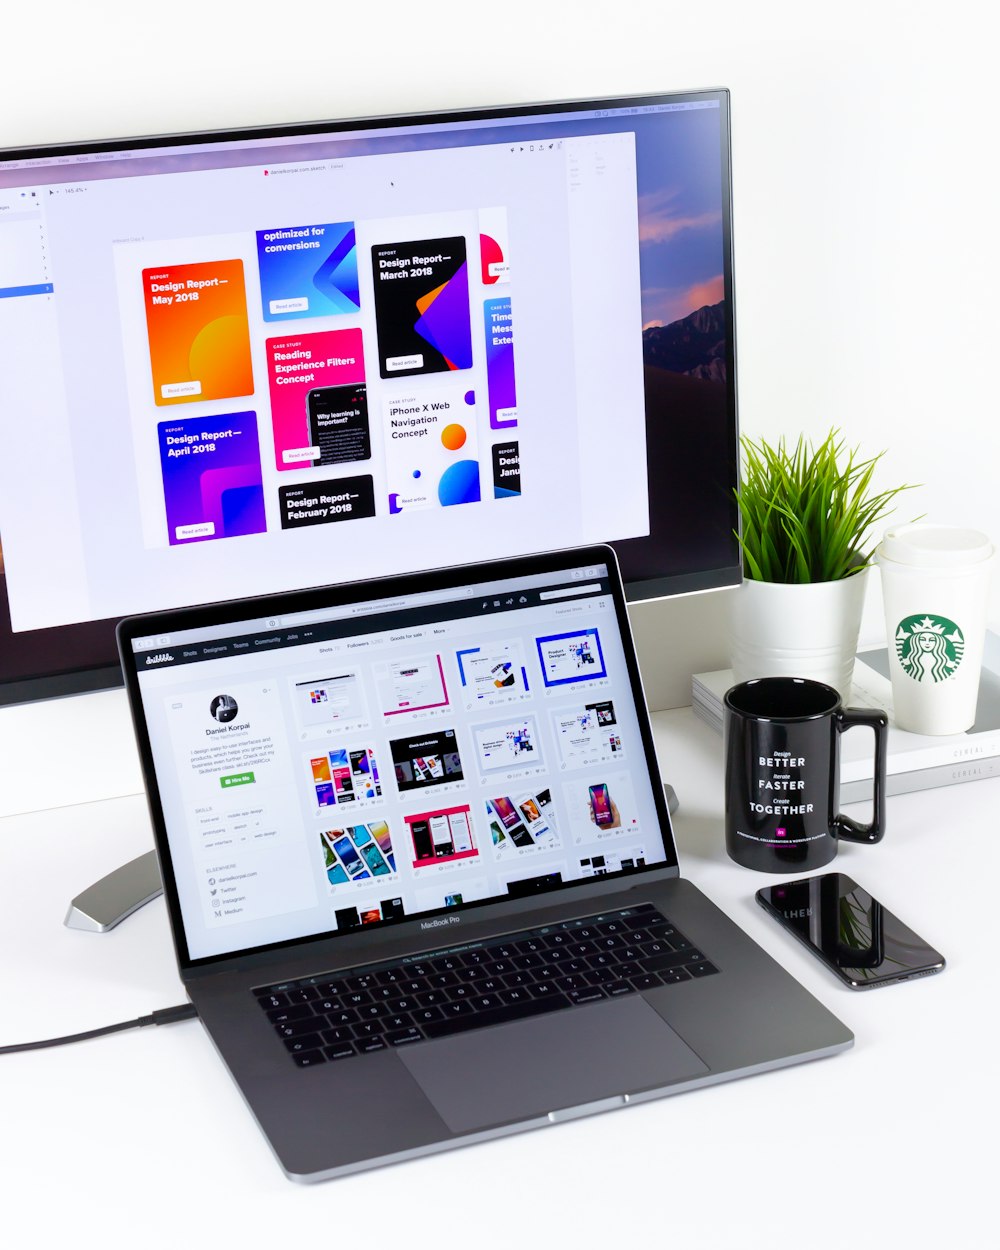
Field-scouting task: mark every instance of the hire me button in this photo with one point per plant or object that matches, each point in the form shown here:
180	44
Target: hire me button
237	779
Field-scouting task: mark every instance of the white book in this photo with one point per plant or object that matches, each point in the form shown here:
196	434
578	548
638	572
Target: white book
916	761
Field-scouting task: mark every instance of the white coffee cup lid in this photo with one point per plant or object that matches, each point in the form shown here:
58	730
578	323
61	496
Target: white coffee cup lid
934	546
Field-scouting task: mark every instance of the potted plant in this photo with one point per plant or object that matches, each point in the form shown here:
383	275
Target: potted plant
807	515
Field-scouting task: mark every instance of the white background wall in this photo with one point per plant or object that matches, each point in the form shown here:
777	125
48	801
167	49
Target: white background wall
864	147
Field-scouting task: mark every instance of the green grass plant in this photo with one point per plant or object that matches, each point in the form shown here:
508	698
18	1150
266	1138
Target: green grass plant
807	512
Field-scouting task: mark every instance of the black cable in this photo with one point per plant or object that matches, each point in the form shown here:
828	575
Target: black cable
167	1015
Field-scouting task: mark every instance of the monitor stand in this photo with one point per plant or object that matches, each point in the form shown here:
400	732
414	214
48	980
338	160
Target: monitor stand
109	901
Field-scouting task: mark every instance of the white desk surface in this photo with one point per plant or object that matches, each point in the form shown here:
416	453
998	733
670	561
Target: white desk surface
142	1135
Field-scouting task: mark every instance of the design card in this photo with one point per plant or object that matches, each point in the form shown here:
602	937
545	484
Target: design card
199	337
422	306
308	271
568	658
212	484
499	326
322	503
314	365
430	449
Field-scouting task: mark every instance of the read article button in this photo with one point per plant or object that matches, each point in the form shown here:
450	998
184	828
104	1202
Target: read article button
174	390
278	306
394	363
201	529
237	779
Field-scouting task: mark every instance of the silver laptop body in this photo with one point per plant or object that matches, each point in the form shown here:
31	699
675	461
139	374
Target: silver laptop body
420	873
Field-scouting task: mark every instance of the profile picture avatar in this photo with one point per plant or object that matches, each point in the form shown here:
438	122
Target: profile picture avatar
224	708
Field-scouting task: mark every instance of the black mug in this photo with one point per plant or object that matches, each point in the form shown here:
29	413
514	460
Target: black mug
782	746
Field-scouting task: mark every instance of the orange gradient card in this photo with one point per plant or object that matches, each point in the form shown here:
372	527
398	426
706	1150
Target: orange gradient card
199	336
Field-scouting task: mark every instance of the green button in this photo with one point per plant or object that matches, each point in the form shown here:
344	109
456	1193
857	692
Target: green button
237	779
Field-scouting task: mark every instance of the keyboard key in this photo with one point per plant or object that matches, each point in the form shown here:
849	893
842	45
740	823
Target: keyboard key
447	963
403	1037
424	1015
321	1006
601	976
368	1044
516	995
673	975
591	994
270	1001
615	989
309	1058
402	1020
346	1015
703	969
648	981
308	1041
284	1015
332	1036
367	1028
303	995
299	1028
341	1050
460	1007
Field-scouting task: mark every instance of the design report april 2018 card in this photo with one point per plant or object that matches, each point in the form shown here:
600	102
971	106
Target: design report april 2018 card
212	486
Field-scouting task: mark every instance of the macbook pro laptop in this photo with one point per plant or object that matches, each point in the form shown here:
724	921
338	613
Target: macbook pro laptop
419	868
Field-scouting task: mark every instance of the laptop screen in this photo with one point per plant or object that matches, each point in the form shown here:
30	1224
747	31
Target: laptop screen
320	762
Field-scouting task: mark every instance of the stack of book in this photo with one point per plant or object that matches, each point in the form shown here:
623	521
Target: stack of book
916	762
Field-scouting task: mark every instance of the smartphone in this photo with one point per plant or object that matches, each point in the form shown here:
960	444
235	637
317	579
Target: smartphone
858	939
600	804
373	858
338	423
349	856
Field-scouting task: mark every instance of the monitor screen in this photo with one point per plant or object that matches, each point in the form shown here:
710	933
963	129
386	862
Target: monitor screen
250	361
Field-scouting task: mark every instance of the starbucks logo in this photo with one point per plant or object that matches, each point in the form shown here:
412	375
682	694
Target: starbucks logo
929	648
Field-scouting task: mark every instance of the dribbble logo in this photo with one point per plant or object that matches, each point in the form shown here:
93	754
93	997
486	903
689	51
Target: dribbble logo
224	708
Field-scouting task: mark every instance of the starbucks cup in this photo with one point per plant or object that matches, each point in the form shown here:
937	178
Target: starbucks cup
935	585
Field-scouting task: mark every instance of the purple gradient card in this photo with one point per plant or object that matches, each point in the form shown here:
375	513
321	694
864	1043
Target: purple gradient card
212	485
499	328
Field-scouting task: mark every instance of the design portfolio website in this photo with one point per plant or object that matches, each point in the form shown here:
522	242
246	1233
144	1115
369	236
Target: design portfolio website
249	377
361	764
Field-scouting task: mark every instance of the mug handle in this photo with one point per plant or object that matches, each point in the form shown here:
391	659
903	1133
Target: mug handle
850	830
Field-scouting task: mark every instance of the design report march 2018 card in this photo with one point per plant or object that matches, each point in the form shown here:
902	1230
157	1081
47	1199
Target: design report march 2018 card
422	306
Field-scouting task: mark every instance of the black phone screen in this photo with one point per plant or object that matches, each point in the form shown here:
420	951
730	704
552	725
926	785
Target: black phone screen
853	933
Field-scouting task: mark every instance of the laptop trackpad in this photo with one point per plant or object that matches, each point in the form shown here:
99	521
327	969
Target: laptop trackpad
546	1063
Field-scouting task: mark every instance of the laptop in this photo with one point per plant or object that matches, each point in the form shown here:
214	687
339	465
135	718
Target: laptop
419	868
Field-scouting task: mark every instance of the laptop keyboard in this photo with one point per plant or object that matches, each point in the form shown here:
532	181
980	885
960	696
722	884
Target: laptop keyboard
336	1016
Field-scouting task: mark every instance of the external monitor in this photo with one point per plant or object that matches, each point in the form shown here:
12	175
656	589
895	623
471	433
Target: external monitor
254	360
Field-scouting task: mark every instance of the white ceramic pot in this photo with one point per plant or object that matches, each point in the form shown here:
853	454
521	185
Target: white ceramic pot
802	630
